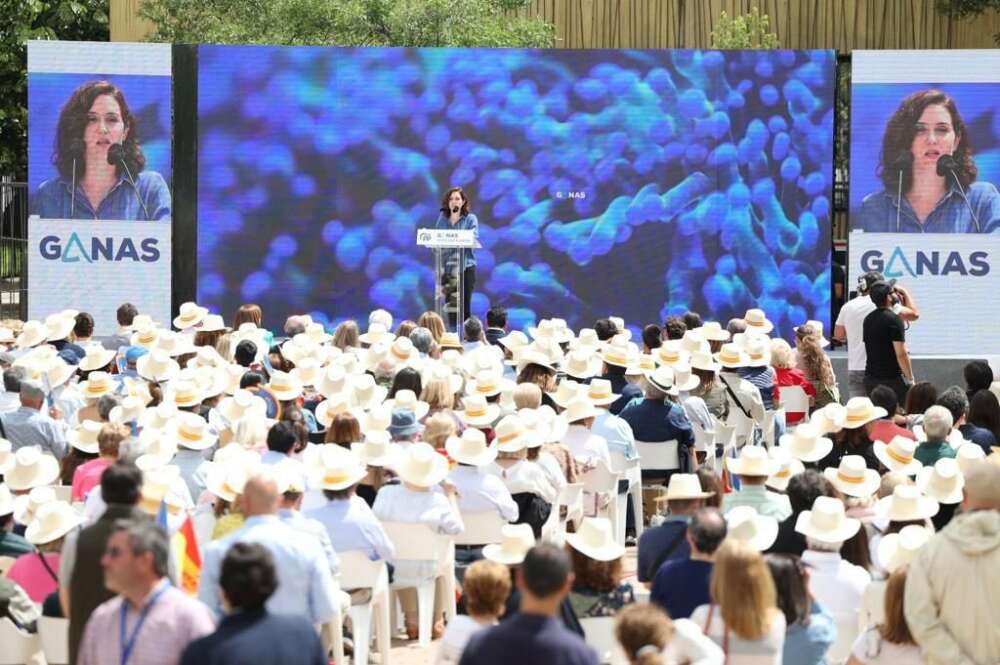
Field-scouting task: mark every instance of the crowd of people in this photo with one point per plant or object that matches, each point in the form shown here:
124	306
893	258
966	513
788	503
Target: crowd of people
186	492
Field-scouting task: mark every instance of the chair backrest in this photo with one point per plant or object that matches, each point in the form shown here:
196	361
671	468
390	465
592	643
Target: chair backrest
54	634
16	646
481	528
63	492
599	633
793	399
358	571
600	479
417	542
571	494
658	455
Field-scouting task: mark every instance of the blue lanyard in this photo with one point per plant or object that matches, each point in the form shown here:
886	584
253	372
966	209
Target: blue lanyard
129	644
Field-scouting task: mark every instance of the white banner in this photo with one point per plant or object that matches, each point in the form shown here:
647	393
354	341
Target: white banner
954	279
96	265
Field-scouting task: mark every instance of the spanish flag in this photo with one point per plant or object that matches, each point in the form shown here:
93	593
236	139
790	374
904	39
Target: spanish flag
187	556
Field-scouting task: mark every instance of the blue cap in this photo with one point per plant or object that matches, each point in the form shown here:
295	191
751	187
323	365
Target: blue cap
134	353
404	423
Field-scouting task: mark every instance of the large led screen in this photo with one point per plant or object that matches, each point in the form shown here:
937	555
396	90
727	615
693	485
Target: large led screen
606	182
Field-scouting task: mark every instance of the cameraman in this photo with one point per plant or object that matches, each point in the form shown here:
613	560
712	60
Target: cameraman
884	333
850	321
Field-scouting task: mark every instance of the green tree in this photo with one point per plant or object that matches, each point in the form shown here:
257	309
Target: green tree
969	9
748	31
35	19
487	23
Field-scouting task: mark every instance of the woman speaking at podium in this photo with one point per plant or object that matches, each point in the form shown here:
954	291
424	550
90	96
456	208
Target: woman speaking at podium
455	216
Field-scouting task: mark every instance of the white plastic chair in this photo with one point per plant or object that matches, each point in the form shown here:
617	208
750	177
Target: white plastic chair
481	528
632	472
793	399
417	542
599	633
571	496
658	455
54	635
16	646
767	427
602	480
366	574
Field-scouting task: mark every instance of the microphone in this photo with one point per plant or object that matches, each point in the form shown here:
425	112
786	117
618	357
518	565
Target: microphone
116	156
454	209
76	148
902	162
948	164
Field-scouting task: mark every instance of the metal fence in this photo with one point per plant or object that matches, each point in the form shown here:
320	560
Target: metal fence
13	249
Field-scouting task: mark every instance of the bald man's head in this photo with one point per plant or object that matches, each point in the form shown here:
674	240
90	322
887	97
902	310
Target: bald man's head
982	487
260	495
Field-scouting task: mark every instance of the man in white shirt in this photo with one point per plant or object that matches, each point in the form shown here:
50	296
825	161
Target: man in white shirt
849	326
478	491
588	448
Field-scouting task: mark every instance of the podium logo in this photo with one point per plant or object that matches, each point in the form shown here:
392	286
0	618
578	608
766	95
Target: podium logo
918	263
74	250
424	236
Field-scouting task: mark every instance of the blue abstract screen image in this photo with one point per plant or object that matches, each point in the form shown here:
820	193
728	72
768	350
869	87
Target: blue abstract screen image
636	183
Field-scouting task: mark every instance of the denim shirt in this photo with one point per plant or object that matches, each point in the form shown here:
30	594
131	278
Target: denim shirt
469	223
877	213
54	200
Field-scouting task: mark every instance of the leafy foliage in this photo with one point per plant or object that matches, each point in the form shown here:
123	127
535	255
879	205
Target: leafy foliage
35	19
969	9
485	23
748	31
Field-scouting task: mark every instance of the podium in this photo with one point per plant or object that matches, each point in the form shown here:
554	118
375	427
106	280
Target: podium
449	247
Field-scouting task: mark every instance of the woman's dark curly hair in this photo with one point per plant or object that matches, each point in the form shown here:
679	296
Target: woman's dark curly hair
901	129
594	575
446	210
73	121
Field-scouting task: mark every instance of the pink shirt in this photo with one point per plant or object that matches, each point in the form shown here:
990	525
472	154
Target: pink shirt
29	572
88	476
172	622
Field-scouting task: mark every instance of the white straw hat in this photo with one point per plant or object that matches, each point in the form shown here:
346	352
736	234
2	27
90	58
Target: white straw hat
59	326
470	448
378	450
477	412
905	505
731	356
790	466
745	524
333	406
97	357
753	461
157	365
943	481
52	521
618	351
683	486
581	364
569	390
595	539
487	383
33	333
176	344
805	443
829	419
853	478
32	468
285	386
241	403
83	437
515	542
26	505
184	393
97	385
376	333
897	455
599	392
212	323
511	435
860	411
193	432
407	399
757	321
190	315
896	550
684	379
333	380
827	522
663	379
365	394
579	409
704	361
337	468
422	466
968	454
713	331
227	480
128	411
693	342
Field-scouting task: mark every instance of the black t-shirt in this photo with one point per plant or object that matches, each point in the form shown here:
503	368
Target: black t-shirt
880	329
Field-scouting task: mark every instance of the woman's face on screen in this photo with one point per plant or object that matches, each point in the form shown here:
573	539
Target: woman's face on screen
105	126
455	200
934	136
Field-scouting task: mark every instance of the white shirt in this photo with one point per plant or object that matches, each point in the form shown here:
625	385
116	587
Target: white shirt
852	317
871	649
9	402
617	432
765	651
553	471
690	646
873	604
586	446
700	417
480	492
525	476
839	587
460	630
398	503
